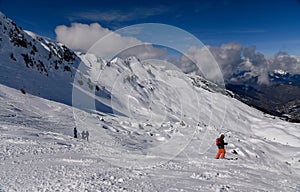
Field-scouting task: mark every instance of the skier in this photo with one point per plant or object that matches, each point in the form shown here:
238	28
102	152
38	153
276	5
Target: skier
83	135
87	134
75	132
220	143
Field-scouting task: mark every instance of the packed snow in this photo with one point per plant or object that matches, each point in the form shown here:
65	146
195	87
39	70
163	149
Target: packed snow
39	153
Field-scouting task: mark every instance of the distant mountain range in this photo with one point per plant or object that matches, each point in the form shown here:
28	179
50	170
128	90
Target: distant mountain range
280	98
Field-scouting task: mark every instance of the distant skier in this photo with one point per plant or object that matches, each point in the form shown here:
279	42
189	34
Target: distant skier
83	135
75	132
87	134
220	143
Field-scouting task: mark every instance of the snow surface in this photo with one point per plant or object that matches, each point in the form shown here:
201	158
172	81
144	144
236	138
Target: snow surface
38	152
280	71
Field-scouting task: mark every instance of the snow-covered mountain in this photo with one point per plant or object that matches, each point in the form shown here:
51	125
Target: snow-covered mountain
35	64
152	127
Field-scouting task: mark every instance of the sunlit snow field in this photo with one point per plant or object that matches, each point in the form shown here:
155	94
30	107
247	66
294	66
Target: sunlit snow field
39	153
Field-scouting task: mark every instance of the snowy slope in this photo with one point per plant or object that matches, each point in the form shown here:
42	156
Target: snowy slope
38	153
152	127
35	64
156	99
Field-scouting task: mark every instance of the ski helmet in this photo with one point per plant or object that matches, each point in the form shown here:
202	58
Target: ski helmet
222	135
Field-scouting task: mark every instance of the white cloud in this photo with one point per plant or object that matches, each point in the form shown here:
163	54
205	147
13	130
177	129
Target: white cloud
144	51
205	62
186	64
263	77
101	41
287	63
211	60
228	56
80	36
249	52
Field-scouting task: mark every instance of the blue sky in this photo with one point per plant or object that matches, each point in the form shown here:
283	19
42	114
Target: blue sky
270	25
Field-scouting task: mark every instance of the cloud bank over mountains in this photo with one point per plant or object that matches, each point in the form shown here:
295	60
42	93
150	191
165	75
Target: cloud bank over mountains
236	62
103	42
82	37
241	64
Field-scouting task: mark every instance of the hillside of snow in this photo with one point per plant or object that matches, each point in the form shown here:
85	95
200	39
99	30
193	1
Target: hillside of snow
39	153
32	63
152	127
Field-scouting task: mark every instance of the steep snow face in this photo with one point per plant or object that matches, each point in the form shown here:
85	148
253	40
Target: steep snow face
35	64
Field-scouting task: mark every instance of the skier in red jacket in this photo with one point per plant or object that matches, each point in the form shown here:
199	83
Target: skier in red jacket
220	143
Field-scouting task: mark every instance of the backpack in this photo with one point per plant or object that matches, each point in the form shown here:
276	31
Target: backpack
218	141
